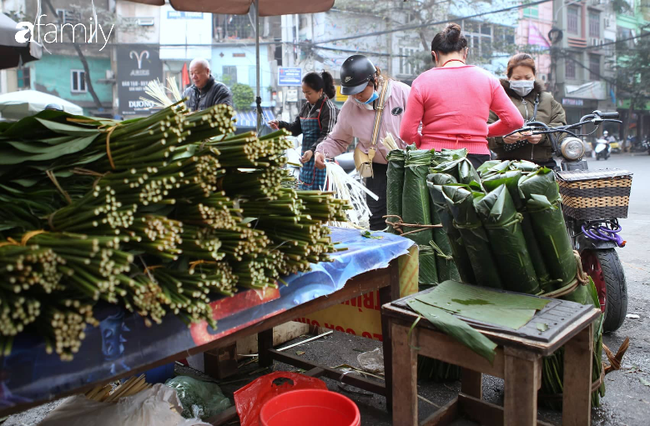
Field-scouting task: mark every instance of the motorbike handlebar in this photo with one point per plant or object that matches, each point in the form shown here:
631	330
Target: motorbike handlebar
612	115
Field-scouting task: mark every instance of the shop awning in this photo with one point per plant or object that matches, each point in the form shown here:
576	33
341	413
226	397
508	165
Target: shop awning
249	118
241	7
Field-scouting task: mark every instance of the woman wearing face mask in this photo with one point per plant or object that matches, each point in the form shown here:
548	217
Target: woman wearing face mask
453	101
364	83
315	121
534	105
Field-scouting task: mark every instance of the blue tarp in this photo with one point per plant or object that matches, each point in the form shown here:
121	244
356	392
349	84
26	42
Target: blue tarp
249	118
122	342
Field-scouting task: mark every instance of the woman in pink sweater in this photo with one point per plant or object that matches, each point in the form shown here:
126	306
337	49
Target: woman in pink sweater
452	102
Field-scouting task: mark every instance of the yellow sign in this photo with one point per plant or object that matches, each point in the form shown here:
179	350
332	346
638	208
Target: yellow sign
361	316
340	97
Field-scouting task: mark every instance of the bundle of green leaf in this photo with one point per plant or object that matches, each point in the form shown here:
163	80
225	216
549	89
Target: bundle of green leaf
160	215
415	195
394	187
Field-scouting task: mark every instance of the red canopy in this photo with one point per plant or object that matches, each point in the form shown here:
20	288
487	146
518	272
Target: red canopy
240	7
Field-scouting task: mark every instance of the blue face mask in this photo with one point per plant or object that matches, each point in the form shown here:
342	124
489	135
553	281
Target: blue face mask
370	100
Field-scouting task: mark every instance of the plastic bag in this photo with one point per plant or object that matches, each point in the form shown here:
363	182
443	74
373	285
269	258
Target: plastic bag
198	398
250	399
158	406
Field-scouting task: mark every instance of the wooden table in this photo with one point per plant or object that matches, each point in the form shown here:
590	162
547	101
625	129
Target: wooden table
386	280
518	361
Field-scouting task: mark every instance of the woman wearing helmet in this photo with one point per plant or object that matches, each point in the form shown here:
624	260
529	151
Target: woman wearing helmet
363	83
534	104
452	102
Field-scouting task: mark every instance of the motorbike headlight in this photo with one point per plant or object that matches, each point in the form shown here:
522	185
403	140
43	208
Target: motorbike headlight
572	148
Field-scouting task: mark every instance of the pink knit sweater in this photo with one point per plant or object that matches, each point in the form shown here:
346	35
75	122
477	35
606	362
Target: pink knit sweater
453	105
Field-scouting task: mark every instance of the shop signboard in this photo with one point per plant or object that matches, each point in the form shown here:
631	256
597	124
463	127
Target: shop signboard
289	76
137	65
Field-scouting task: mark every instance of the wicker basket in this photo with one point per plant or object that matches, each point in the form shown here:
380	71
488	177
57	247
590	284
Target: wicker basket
597	194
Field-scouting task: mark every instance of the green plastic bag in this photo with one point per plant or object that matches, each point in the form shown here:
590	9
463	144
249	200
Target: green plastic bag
462	263
199	399
543	204
394	186
461	204
415	195
503	225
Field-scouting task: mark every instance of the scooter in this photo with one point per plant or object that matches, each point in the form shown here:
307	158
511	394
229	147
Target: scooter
595	240
603	149
615	146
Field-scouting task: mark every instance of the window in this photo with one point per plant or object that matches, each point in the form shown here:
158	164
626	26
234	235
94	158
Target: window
78	81
68	16
572	20
486	29
406	61
24	78
594	24
594	67
569	68
234	27
531	12
229	75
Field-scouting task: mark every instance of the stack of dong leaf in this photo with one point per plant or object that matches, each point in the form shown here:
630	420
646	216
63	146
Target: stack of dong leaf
507	231
160	215
407	186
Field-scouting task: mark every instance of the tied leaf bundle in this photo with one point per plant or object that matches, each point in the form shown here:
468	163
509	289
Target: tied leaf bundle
514	215
160	215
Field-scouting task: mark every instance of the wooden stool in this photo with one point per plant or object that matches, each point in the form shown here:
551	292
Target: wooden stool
518	361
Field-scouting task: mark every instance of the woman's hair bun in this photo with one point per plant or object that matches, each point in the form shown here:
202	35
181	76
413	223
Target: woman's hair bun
452	33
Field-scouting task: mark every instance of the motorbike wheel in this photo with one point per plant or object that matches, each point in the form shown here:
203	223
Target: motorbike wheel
605	268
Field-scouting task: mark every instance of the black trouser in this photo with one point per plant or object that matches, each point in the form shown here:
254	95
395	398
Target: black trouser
377	185
478	159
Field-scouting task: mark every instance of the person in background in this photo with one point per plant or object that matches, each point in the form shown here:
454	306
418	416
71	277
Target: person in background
452	102
315	121
205	90
363	83
534	104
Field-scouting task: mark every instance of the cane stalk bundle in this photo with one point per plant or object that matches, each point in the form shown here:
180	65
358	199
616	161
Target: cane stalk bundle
160	215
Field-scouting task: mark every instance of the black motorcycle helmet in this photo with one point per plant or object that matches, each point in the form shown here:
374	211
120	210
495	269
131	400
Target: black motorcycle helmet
356	72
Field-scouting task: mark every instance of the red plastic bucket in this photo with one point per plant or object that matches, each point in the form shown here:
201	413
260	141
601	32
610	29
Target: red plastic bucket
313	407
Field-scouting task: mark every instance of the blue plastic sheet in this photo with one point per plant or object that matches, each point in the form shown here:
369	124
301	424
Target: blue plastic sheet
122	342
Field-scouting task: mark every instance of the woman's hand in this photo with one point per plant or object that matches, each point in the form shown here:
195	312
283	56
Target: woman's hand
320	160
274	124
514	138
306	156
534	139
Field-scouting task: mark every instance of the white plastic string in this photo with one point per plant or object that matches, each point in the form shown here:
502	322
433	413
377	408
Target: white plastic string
345	187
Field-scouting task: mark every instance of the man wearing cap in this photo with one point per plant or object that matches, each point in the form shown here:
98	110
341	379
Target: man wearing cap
364	85
206	91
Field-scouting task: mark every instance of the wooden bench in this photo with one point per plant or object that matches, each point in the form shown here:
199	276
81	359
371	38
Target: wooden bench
518	361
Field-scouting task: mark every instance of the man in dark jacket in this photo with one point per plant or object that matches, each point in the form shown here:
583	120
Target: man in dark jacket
206	91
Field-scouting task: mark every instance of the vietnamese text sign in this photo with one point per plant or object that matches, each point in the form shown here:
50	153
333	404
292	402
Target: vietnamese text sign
289	76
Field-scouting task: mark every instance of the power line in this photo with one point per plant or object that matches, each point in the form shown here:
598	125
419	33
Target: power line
414	27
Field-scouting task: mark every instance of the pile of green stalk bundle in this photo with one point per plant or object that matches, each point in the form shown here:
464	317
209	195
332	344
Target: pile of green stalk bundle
507	231
160	215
